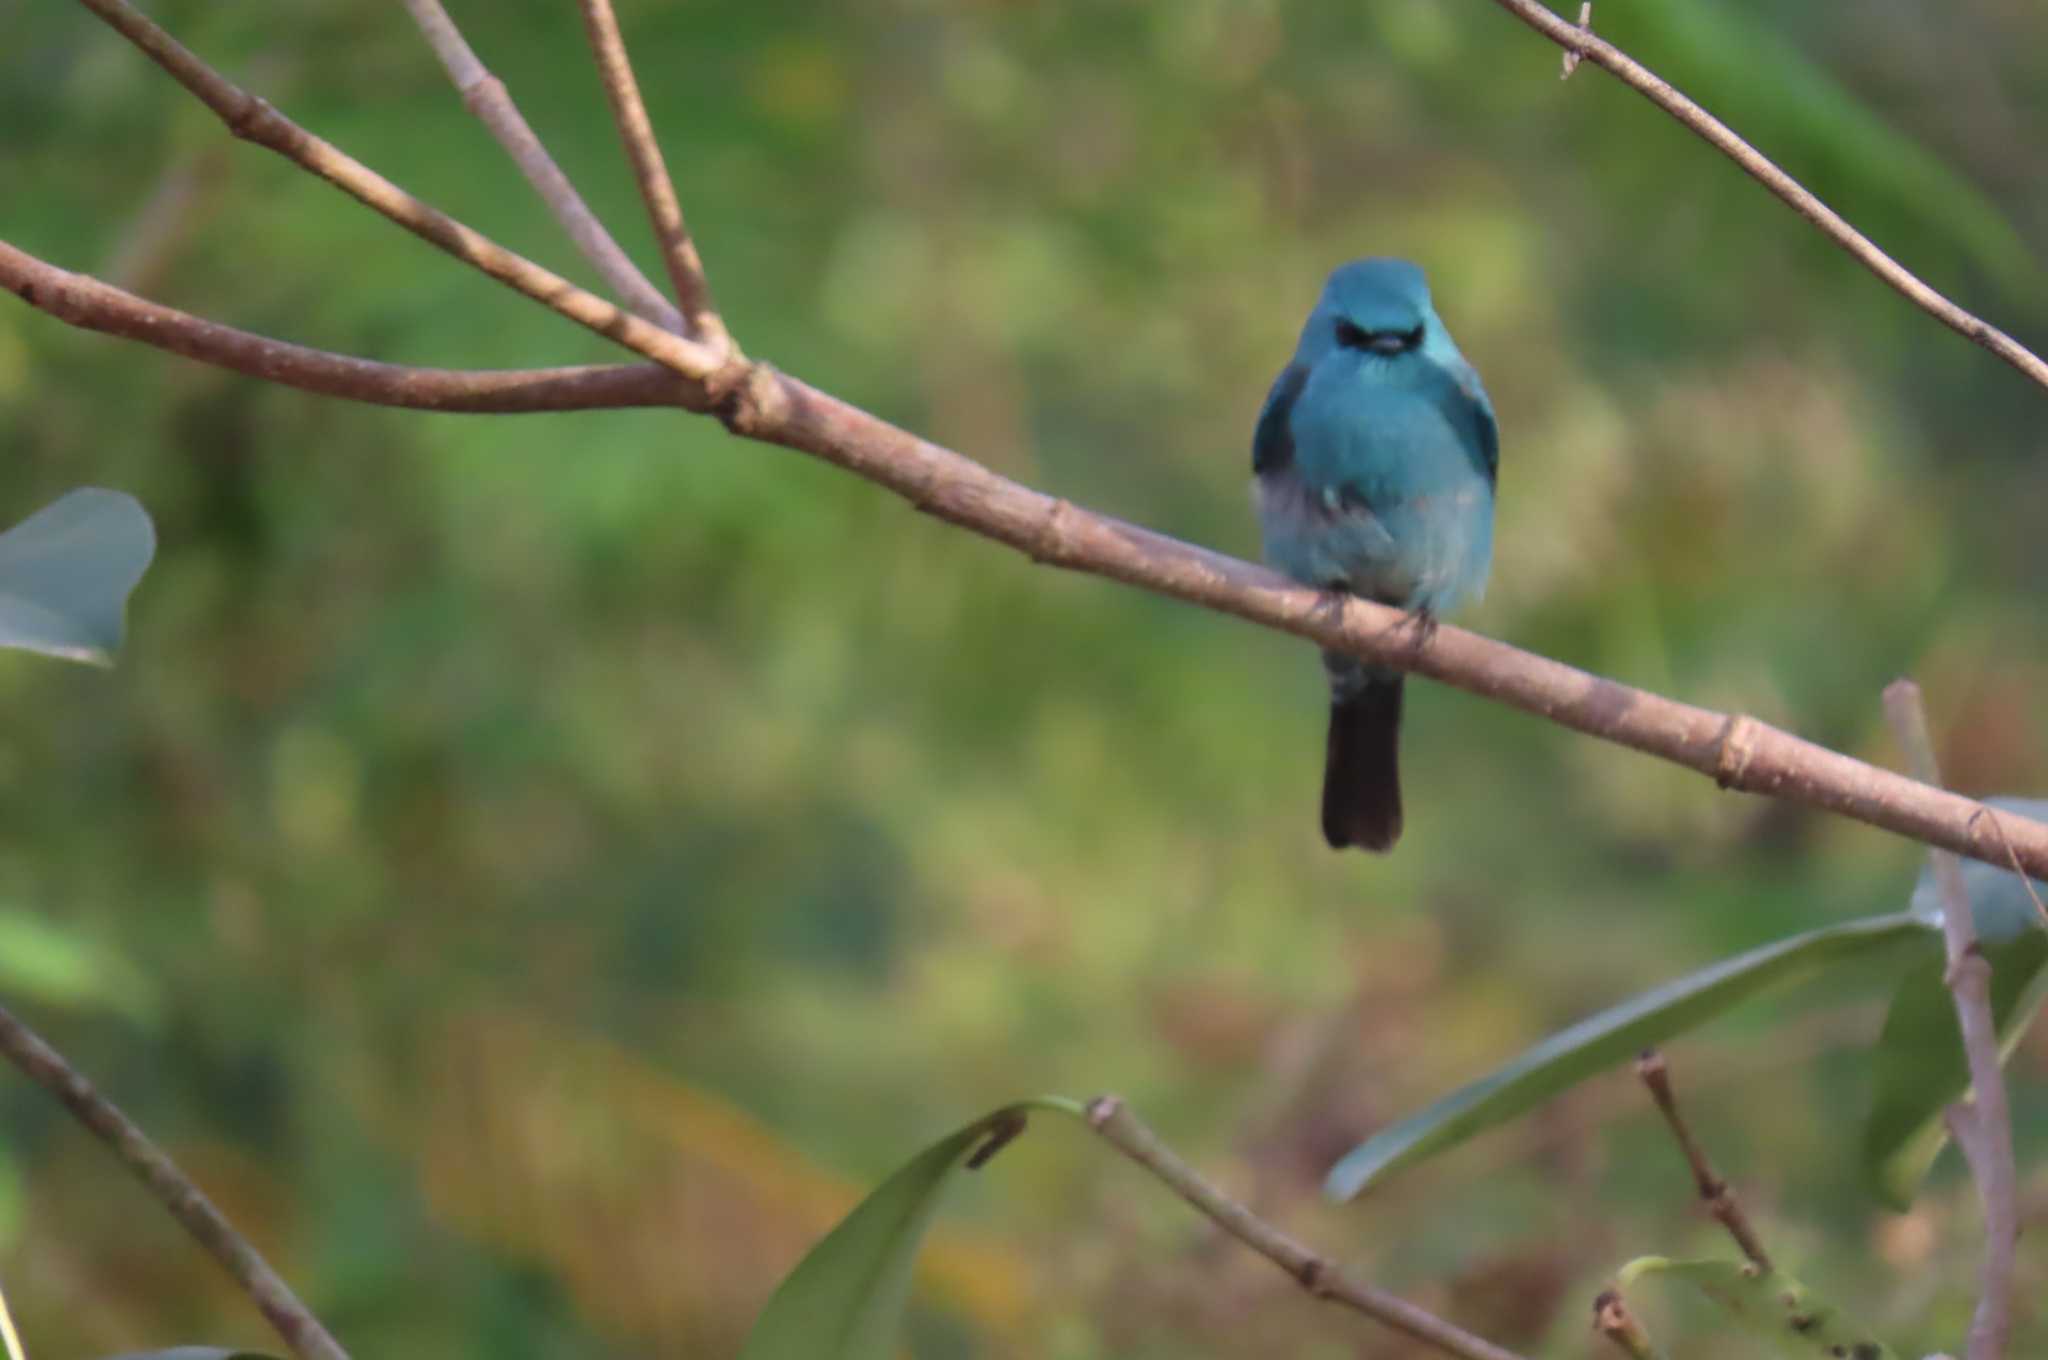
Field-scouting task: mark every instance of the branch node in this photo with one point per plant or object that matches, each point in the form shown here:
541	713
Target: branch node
1613	1320
1574	55
1734	749
1313	1274
1970	966
1048	543
480	97
1102	1109
247	120
748	397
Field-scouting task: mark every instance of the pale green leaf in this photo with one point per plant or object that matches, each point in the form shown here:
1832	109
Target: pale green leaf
66	571
1600	1041
1771	1306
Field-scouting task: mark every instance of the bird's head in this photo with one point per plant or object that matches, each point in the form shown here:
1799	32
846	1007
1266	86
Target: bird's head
1378	310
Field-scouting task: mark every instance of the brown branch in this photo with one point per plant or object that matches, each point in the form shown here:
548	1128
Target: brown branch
678	251
1715	1193
758	402
47	1068
1983	1130
485	95
1110	1117
253	120
1736	751
83	301
1582	41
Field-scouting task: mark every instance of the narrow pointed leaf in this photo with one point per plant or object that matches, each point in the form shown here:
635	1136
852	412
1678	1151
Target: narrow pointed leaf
1771	1306
1600	1041
1918	1066
845	1299
65	574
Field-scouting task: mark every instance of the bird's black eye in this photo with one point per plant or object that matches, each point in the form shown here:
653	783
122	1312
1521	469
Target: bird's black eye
1377	342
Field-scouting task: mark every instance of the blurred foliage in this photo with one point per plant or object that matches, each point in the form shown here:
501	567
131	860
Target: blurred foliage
570	858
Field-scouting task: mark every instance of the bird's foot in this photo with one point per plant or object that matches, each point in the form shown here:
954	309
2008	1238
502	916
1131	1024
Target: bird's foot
1331	605
1422	624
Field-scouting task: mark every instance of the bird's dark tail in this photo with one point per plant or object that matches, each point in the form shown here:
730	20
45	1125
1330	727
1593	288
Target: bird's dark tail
1361	774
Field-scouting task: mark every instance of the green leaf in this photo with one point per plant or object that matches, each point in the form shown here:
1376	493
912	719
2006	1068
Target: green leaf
1600	1041
65	574
1918	1067
844	1300
1771	1306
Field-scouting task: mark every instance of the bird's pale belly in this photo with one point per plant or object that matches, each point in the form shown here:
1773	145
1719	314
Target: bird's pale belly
1427	551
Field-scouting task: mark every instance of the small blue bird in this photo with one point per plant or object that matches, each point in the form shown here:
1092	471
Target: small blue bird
1375	459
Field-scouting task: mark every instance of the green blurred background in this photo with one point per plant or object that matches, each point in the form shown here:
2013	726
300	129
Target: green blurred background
537	871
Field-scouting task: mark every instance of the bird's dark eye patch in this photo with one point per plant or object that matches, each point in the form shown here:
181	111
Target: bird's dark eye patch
1352	336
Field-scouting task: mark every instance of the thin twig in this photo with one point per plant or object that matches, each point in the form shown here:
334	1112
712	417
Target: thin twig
678	251
253	120
1110	1117
1983	1129
187	1202
1715	1193
88	303
758	402
1760	168
485	95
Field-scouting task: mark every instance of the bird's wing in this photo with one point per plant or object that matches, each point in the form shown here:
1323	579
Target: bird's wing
1471	414
1273	439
